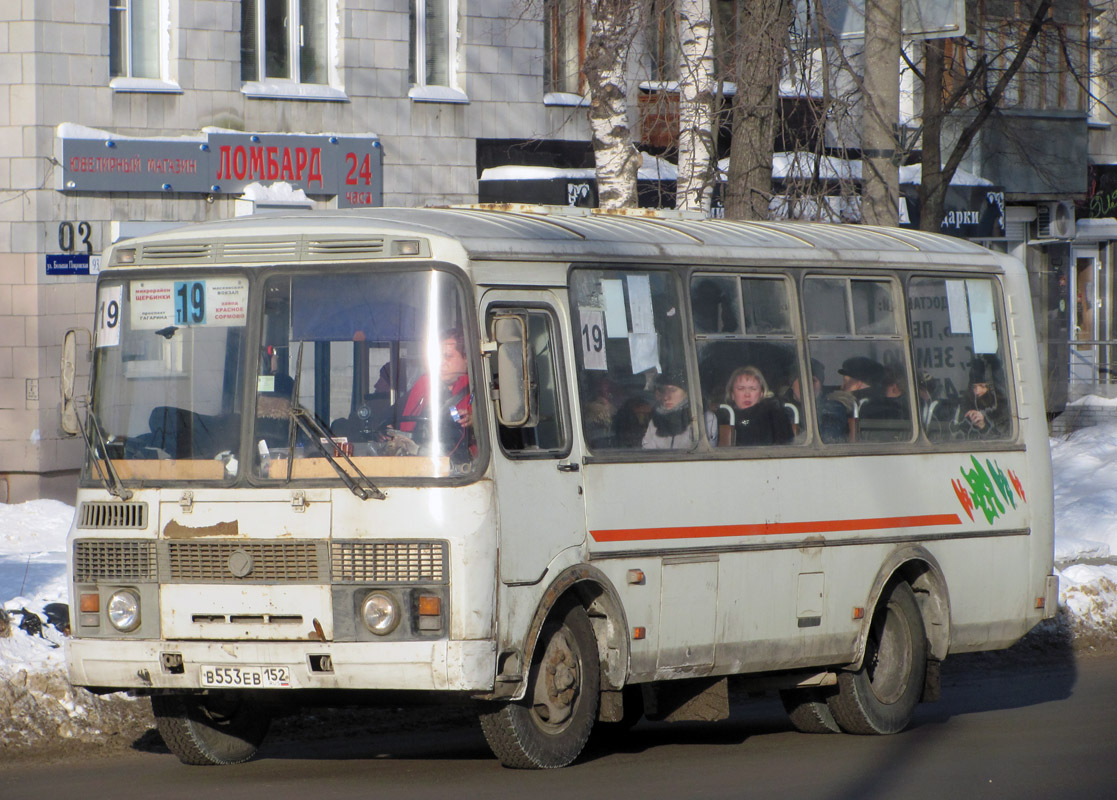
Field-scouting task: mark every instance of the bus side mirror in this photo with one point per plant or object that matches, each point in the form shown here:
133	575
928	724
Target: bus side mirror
517	405
68	374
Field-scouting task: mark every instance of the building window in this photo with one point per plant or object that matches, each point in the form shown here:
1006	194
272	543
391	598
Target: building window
134	39
433	42
284	40
564	30
663	41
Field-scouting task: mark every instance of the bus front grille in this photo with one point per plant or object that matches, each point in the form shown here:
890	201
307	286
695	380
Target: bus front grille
103	515
261	561
244	561
114	560
389	562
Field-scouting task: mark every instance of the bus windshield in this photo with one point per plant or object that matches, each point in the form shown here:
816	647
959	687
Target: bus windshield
356	371
168	375
379	366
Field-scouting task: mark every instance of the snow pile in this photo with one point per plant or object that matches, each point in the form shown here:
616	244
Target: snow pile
37	702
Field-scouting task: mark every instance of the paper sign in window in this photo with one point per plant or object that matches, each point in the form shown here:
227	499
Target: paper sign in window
643	350
592	337
983	321
956	304
640	303
616	319
108	315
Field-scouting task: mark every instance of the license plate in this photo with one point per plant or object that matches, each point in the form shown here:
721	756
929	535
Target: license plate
248	677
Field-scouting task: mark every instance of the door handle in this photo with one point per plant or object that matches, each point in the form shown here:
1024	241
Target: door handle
569	466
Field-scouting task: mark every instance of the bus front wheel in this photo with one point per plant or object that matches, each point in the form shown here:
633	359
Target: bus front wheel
213	729
549	727
881	696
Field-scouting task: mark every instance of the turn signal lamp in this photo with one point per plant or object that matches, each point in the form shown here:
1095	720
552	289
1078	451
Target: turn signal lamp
90	603
430	606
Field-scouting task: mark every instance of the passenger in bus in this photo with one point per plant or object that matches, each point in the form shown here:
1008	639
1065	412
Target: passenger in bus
792	395
751	415
599	412
669	427
630	423
984	412
860	377
454	415
889	402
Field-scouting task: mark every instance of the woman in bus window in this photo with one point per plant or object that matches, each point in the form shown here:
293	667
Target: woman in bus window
751	415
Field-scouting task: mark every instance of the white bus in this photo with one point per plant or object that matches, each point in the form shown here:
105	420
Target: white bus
579	467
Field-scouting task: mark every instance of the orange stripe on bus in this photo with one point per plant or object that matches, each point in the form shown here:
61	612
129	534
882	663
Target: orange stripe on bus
775	528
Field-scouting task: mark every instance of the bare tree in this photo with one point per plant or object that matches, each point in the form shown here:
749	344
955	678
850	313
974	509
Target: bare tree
613	26
697	84
762	34
982	88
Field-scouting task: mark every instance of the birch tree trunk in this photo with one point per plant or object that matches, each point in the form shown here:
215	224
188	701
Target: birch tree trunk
612	28
761	36
697	144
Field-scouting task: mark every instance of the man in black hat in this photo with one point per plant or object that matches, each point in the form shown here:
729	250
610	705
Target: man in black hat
861	379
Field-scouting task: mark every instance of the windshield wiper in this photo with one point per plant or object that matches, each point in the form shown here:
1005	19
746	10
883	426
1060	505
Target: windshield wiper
108	476
361	486
302	419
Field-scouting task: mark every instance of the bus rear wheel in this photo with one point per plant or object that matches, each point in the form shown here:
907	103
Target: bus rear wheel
881	696
808	710
550	726
210	730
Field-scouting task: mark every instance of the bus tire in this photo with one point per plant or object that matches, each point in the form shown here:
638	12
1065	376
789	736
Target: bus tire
210	730
549	727
881	696
808	711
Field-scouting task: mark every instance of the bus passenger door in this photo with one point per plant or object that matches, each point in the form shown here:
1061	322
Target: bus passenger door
537	468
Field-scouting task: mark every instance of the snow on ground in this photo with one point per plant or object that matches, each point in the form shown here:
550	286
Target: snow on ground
33	574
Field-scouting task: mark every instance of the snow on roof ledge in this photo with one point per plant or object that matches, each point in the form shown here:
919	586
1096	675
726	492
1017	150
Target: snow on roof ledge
72	130
275	194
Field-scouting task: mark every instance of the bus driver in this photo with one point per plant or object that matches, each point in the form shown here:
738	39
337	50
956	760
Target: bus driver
454	417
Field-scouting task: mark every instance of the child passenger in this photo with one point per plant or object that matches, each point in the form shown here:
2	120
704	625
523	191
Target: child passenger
751	415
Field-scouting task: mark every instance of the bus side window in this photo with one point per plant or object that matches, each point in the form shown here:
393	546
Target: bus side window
632	373
957	335
854	334
745	338
548	437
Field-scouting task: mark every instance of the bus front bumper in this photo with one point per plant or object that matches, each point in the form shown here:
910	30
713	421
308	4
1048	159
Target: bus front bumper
433	666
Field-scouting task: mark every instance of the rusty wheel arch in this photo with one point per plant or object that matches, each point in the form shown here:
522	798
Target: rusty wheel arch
592	590
916	566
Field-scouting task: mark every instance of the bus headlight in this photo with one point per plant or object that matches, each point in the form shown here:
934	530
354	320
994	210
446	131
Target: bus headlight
380	612
124	610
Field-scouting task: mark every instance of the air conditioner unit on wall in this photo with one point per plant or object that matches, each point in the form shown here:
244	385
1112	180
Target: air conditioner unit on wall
1055	220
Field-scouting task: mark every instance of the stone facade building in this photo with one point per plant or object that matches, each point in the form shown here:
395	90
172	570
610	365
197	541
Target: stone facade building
123	116
115	116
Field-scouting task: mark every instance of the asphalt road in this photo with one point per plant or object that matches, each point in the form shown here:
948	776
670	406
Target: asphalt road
1032	728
